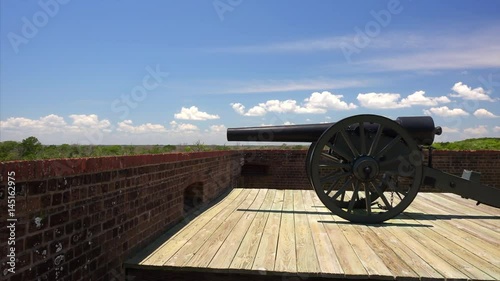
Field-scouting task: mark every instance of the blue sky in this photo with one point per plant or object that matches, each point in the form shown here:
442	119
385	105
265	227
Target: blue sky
158	72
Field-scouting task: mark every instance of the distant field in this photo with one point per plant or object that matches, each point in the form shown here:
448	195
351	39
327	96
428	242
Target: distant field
470	144
30	148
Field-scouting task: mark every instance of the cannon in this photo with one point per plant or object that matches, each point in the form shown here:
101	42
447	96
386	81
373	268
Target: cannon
368	168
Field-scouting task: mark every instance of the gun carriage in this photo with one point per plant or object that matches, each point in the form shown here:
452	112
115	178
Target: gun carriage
368	168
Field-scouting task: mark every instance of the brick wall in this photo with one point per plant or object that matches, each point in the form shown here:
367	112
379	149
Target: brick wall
78	219
285	169
281	169
487	162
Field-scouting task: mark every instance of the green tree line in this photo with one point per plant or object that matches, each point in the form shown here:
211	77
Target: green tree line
31	148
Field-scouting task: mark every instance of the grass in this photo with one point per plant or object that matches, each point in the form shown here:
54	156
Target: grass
470	144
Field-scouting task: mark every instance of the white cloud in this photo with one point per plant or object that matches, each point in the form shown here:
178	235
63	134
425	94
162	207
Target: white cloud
448	130
467	93
256	111
50	122
83	129
183	127
193	113
392	100
53	123
327	100
307	45
440	49
270	86
444	111
496	129
480	130
238	107
483	113
90	129
380	100
419	98
317	103
443	58
217	128
286	123
89	121
128	127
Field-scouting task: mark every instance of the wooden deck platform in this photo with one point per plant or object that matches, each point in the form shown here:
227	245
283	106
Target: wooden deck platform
266	233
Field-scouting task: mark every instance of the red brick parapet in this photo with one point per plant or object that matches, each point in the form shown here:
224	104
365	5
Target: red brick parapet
78	219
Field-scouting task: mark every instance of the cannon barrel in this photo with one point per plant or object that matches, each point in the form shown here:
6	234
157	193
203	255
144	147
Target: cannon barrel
421	128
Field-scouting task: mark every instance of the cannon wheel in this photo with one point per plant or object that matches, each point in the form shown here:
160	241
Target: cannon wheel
352	175
358	204
308	160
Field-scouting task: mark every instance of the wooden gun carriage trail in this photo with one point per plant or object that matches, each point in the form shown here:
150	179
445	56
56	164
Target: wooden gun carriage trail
368	168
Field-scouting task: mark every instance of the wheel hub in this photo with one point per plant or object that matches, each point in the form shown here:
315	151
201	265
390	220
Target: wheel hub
365	168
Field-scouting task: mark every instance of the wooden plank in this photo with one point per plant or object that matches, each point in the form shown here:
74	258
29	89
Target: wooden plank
178	240
467	240
447	254
486	236
471	203
370	260
266	253
436	238
459	250
461	211
396	264
307	260
248	248
433	259
286	260
217	237
347	257
327	260
470	225
189	249
227	251
419	265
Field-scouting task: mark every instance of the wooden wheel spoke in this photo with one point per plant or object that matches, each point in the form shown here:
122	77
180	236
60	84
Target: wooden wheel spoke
332	186
353	197
399	195
330	157
339	152
376	139
362	137
342	190
381	195
349	143
388	146
336	165
368	199
333	175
